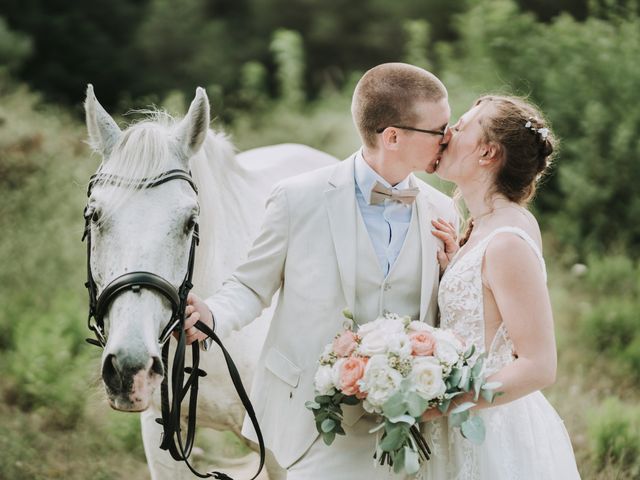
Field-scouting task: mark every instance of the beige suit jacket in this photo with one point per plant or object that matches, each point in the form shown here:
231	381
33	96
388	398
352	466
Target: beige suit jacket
307	249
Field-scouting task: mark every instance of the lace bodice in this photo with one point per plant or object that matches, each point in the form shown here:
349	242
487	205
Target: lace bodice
461	304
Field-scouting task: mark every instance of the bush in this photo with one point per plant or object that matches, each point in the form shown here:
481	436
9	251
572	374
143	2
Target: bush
583	76
47	366
610	325
614	432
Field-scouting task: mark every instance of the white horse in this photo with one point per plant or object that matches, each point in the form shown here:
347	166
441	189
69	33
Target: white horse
149	229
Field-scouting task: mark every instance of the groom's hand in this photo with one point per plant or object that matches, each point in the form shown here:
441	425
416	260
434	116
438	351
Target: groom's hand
446	232
196	310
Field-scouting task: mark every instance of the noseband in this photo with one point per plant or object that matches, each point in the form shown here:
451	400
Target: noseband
170	401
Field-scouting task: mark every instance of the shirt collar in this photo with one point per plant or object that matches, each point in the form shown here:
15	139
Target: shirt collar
366	177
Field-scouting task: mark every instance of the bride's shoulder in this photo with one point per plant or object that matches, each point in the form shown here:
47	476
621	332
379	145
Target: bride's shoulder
514	248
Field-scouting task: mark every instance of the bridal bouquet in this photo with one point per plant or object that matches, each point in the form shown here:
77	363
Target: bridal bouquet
398	369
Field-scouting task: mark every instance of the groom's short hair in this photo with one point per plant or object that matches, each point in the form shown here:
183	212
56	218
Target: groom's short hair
386	95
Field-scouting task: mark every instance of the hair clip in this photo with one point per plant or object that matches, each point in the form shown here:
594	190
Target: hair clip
543	132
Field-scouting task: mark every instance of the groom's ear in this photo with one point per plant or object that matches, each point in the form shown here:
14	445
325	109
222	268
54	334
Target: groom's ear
390	139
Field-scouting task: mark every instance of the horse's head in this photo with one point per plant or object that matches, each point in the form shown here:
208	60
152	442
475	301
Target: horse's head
138	225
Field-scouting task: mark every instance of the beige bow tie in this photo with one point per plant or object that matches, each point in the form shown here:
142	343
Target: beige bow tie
380	193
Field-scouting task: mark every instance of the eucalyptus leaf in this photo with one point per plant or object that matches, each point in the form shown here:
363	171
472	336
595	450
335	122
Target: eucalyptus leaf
477	368
463	407
473	430
456	375
328	425
488	395
408	419
328	437
398	461
465	378
411	460
469	353
311	405
416	405
324	399
351	400
395	406
457	419
392	440
491	385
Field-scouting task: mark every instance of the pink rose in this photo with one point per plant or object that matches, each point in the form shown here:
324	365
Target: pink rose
422	343
345	343
351	372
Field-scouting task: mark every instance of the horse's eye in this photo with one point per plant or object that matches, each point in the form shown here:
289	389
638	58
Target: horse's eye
191	223
93	213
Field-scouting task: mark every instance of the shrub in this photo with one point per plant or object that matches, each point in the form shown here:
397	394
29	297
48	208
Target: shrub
614	432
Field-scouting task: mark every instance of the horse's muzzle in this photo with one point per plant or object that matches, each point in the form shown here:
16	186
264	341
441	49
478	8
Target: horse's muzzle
130	383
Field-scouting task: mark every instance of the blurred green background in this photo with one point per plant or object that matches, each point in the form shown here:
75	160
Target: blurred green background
283	71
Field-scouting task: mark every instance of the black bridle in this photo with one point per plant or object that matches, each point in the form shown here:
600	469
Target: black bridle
171	395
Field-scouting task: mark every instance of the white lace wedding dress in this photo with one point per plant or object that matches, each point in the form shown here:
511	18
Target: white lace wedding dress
525	439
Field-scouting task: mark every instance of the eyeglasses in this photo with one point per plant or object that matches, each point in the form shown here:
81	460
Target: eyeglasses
431	132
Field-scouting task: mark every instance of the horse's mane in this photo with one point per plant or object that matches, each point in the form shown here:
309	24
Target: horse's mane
147	148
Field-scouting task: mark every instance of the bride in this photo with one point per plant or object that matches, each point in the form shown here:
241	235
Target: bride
493	294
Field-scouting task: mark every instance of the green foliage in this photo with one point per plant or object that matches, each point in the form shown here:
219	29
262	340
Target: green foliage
614	433
41	307
14	47
417	32
610	325
288	51
583	74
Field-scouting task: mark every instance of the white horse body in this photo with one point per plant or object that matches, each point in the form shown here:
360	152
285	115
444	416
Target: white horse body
232	193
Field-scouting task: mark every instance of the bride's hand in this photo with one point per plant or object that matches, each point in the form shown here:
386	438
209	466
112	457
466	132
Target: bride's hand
446	232
431	414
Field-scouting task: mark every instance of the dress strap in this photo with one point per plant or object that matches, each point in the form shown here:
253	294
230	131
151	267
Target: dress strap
522	234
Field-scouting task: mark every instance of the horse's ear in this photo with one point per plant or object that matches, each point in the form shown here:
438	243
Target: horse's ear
193	129
103	130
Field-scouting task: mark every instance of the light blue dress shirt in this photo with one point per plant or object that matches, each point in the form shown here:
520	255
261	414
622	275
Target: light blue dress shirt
387	223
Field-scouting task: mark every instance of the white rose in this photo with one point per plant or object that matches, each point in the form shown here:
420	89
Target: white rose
448	347
380	382
400	344
335	371
418	326
381	324
374	343
426	378
323	380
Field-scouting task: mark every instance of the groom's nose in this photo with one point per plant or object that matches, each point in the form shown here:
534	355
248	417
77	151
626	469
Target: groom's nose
445	138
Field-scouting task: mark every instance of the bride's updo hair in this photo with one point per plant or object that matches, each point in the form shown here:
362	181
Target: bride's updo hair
524	141
525	145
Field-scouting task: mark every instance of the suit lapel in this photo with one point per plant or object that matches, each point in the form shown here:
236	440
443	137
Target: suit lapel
340	199
429	258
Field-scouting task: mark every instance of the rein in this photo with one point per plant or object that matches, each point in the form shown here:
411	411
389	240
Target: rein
171	393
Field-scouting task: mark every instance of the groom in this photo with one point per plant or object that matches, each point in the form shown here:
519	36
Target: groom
356	235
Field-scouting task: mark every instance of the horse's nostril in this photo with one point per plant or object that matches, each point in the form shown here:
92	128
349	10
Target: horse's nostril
111	374
156	367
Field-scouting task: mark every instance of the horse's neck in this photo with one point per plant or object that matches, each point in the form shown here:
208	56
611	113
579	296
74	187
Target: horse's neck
227	200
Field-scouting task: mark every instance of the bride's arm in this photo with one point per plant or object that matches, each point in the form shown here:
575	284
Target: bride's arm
514	275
